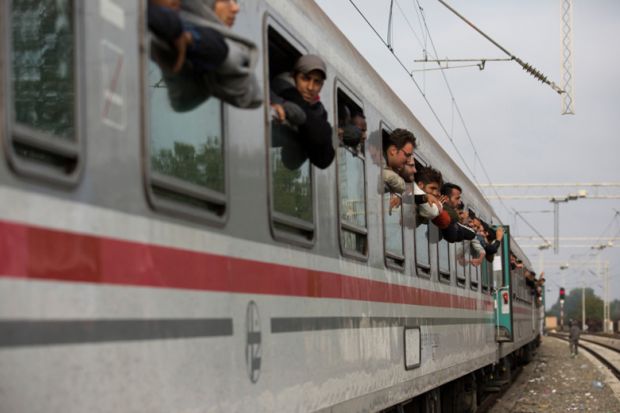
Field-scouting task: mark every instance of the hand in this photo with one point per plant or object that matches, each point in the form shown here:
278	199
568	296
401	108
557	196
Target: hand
279	110
443	199
499	234
394	202
433	200
476	261
181	45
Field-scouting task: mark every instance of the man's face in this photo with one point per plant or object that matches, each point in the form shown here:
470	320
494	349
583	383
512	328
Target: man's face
431	188
226	11
360	122
408	172
455	198
309	85
397	158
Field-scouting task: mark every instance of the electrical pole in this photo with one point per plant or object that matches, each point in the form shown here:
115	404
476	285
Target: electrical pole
567	57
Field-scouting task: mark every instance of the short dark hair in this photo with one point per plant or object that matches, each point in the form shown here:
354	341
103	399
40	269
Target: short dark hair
446	189
427	174
401	137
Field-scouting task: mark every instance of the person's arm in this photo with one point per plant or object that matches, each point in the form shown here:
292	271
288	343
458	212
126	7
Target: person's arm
207	48
164	23
478	251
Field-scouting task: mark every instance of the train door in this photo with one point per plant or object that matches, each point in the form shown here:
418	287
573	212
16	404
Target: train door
503	291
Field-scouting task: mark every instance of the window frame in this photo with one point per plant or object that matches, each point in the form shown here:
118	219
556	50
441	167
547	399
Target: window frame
284	228
175	185
73	152
391	260
340	86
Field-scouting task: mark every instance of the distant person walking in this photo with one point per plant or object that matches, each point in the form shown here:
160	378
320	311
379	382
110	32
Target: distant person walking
573	337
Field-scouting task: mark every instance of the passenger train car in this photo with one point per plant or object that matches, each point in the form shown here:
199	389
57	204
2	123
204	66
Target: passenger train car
155	261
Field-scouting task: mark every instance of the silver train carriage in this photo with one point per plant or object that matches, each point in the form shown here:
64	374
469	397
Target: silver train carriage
156	261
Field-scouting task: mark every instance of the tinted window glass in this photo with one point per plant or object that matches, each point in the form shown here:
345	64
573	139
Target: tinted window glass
352	199
443	249
460	263
393	228
351	174
185	145
43	72
422	245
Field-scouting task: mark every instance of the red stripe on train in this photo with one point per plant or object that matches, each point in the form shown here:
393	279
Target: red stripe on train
39	253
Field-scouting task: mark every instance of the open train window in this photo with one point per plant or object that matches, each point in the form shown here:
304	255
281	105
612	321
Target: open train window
185	150
43	101
351	175
392	222
290	171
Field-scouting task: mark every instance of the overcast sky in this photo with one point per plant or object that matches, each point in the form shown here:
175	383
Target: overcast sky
514	120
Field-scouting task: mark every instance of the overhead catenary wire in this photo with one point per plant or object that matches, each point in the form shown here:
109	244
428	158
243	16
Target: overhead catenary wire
518	214
526	66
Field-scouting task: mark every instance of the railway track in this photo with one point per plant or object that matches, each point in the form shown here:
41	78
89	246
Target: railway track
607	353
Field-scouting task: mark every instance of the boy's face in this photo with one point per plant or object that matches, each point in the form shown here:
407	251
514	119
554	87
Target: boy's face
170	4
431	188
226	11
309	85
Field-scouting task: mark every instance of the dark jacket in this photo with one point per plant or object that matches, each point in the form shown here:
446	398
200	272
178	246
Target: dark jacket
208	49
315	133
574	332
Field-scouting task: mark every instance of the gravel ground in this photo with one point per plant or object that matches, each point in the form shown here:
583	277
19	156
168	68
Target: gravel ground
555	382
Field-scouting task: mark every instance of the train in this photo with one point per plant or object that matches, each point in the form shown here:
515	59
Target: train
157	261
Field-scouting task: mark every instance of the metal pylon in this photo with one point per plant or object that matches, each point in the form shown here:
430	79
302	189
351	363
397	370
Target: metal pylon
568	98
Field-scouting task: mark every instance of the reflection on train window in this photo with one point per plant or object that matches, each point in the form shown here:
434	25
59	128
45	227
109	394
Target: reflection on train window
486	269
422	248
185	150
443	256
497	270
351	177
393	233
474	278
43	87
392	223
459	261
292	205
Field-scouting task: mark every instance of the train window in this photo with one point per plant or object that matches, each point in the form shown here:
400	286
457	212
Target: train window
486	269
392	225
422	238
351	176
459	261
474	275
444	259
44	139
291	176
186	154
